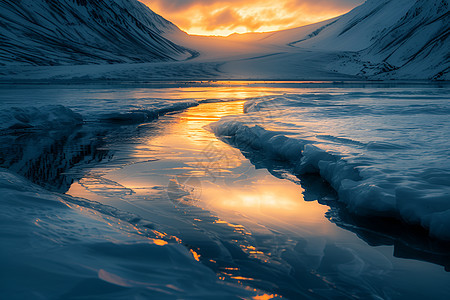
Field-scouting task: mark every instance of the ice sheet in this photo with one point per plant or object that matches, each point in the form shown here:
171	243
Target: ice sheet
57	246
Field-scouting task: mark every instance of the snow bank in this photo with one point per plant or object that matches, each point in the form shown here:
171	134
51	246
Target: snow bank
45	117
396	168
307	158
55	246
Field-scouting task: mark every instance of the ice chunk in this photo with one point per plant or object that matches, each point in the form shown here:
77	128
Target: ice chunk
146	115
44	117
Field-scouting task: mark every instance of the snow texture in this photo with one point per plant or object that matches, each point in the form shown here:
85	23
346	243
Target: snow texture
73	32
389	39
378	40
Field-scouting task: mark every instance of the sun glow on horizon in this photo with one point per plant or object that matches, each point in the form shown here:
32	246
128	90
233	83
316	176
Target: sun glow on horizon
225	17
241	29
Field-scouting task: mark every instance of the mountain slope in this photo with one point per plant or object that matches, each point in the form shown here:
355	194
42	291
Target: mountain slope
383	39
419	42
59	32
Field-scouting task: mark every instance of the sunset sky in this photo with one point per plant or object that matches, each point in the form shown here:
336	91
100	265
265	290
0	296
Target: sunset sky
223	17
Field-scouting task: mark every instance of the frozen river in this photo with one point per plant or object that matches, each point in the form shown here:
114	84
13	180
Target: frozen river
294	190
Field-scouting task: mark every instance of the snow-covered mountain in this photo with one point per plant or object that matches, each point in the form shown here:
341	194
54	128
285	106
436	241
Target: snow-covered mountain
419	42
383	39
58	32
380	39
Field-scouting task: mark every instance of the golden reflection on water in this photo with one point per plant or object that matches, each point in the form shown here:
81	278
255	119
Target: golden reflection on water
252	202
185	157
223	180
265	297
219	178
193	121
188	141
225	90
269	201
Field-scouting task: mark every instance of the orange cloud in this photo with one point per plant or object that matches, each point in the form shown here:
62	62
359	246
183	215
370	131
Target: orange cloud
224	17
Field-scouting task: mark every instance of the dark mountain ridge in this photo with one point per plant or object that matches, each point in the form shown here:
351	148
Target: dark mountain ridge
59	32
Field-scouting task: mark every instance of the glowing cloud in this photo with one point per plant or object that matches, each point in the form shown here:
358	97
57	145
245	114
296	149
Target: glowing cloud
224	17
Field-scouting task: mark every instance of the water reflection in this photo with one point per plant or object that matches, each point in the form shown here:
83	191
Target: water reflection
267	200
242	218
410	242
238	212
